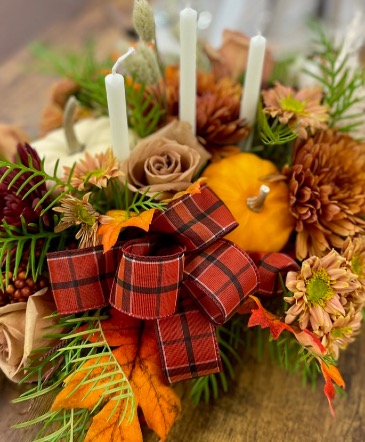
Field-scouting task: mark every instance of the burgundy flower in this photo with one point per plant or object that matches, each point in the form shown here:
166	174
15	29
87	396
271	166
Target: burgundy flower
13	205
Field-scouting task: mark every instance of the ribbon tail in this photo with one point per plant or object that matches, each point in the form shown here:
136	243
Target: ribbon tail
188	345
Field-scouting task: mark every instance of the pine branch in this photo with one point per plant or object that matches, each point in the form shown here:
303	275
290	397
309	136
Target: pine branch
340	82
145	110
66	361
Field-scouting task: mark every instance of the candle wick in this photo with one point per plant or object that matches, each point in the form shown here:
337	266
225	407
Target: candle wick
121	59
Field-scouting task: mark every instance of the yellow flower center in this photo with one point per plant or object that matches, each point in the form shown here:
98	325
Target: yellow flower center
84	216
340	332
291	104
357	264
319	289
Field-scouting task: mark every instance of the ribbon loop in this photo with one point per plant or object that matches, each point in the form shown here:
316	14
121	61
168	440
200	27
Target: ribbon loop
219	278
195	220
151	278
148	279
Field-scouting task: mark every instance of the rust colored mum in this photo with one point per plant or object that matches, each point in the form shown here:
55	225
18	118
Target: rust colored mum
327	192
218	104
301	110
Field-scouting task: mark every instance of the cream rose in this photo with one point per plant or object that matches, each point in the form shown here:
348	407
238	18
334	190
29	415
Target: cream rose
166	161
22	327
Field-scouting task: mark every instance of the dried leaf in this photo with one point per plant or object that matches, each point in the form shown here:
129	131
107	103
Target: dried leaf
116	220
191	190
331	373
104	428
265	319
137	354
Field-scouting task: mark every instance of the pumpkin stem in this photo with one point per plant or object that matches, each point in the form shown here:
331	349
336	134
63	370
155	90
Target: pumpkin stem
74	145
256	203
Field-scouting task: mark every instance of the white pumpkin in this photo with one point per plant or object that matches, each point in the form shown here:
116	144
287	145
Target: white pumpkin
93	133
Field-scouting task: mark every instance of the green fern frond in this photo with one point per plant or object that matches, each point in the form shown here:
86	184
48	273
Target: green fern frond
42	176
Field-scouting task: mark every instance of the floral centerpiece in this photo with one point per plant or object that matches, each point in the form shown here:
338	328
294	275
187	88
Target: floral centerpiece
208	211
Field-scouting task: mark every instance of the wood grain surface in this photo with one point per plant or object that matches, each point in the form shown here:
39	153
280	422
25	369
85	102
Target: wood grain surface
266	403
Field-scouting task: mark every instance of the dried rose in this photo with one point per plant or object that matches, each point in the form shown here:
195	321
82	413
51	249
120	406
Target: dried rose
166	161
21	331
231	58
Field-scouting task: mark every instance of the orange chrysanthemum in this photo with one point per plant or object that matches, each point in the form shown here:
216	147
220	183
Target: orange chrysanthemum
327	192
218	104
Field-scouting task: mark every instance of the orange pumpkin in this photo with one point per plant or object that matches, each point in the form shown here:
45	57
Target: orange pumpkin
237	182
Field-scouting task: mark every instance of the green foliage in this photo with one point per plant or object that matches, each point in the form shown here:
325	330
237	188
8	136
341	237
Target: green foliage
30	173
145	109
66	361
14	241
81	67
271	131
340	83
35	238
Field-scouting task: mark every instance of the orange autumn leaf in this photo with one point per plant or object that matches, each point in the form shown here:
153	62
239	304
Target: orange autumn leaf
331	373
266	319
138	356
104	428
116	220
191	190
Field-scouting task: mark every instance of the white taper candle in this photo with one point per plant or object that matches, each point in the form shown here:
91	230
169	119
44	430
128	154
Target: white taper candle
187	93
115	92
253	77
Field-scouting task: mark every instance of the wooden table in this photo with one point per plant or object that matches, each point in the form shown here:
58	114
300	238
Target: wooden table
266	403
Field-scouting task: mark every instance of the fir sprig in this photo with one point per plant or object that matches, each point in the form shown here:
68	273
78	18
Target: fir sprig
145	109
66	361
340	82
30	173
14	241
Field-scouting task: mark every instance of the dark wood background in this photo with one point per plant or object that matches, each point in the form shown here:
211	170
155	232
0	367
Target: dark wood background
266	403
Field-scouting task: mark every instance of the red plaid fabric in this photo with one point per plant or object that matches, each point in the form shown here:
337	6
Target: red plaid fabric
143	278
273	268
147	286
188	345
195	220
219	278
81	280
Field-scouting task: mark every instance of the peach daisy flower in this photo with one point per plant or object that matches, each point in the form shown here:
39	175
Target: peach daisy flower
94	170
319	291
76	212
301	110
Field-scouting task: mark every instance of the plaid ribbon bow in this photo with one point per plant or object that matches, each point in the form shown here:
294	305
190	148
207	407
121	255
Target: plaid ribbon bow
182	275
